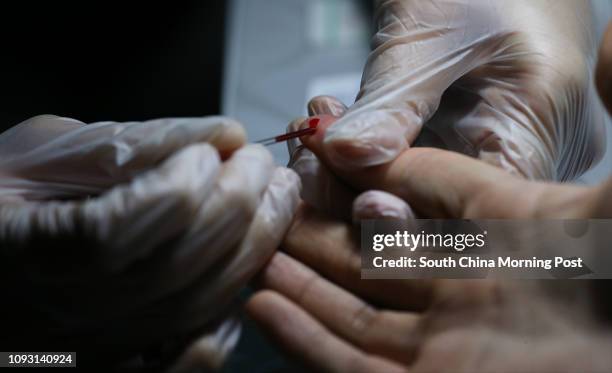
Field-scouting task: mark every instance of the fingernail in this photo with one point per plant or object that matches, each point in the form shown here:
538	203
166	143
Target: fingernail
326	105
365	140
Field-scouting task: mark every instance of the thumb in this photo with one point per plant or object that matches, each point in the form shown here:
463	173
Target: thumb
418	52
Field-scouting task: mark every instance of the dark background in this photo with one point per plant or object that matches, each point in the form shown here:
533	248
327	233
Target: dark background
110	61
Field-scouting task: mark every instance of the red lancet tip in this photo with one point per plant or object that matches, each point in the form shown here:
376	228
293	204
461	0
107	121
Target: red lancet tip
314	122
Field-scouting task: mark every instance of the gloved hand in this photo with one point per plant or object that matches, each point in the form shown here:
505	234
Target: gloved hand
323	190
116	237
507	81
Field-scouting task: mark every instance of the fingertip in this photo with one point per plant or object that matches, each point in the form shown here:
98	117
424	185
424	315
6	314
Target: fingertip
321	123
255	152
329	105
231	138
368	139
260	304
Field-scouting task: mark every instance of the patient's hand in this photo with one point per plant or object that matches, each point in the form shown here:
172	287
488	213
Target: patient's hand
438	183
421	326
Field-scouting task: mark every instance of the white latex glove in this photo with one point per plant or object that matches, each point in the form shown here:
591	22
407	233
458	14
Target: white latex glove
116	237
509	81
324	190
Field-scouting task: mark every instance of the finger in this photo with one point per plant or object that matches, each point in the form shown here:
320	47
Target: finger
330	247
411	64
156	139
370	205
130	221
375	204
447	182
185	274
603	75
306	339
34	132
295	143
329	105
224	219
94	157
218	287
207	294
386	333
321	189
96	240
101	237
422	176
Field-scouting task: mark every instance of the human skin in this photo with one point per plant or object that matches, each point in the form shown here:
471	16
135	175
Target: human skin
318	308
316	305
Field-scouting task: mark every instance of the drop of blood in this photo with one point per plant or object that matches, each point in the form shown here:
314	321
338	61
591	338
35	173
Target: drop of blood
314	123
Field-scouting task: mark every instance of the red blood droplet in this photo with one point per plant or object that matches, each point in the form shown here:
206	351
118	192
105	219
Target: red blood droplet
314	122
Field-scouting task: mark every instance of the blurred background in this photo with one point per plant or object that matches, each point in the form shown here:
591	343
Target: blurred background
258	61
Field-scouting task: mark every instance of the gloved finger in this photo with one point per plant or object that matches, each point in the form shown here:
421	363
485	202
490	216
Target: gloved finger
94	157
319	105
132	220
328	105
604	70
217	288
107	233
272	220
217	227
419	50
34	132
294	144
377	205
224	219
321	188
204	224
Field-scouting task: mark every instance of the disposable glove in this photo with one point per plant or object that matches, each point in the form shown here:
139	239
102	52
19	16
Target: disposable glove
117	237
507	81
325	191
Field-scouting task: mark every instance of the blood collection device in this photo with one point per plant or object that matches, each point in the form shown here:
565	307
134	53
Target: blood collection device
312	128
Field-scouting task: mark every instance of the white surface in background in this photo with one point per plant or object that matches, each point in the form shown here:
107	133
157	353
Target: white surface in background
342	86
336	23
